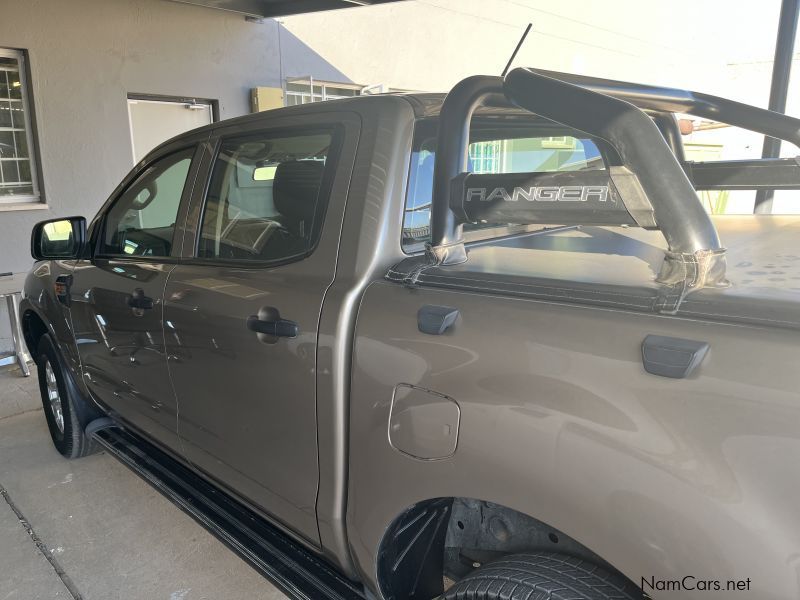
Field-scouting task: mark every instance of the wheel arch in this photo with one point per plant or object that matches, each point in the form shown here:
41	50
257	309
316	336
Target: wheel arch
452	536
33	328
41	312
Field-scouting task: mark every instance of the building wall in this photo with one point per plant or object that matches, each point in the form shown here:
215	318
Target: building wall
432	44
86	56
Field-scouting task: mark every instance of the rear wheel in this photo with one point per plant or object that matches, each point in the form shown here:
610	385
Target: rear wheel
65	411
540	576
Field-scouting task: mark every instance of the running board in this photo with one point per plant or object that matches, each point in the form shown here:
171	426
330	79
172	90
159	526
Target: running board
293	569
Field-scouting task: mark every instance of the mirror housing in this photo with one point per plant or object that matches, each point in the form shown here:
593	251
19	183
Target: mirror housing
56	239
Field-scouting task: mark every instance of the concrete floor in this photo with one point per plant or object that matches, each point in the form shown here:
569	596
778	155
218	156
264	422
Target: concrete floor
91	529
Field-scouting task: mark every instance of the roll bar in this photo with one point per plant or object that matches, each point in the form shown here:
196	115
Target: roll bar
670	100
638	141
452	148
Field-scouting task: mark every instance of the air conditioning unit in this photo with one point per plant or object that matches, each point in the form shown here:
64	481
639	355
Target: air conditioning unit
265	98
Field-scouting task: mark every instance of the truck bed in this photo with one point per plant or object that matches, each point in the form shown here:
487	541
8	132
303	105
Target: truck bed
617	267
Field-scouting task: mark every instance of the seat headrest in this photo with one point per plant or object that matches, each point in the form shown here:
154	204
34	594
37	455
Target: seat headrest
296	187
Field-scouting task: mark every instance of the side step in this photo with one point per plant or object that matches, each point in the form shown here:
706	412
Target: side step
296	571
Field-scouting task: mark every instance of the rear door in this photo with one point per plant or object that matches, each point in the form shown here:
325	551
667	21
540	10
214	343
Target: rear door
115	298
242	310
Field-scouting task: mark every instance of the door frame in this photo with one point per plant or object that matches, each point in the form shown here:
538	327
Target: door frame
350	124
212	103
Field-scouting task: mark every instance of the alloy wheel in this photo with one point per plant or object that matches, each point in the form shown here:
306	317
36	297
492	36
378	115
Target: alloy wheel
53	396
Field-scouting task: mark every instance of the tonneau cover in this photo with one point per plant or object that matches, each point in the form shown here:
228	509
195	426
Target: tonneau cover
617	267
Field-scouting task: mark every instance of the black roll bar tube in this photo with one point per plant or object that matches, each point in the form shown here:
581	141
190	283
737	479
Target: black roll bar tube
679	214
667	124
670	100
452	154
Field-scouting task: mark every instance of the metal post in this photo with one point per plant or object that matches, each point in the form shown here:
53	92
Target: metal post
779	89
12	302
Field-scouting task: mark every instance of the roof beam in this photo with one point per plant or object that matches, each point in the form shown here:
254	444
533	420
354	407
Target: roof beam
264	9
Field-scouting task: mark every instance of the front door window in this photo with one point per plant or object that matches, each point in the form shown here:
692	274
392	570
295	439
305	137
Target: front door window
142	220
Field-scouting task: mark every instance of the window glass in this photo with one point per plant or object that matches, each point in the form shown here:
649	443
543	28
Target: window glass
142	220
504	155
17	175
265	197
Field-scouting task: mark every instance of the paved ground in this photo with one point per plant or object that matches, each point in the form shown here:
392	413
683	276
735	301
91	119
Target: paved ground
91	529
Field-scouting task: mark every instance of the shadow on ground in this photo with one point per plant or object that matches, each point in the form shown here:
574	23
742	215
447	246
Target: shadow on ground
108	532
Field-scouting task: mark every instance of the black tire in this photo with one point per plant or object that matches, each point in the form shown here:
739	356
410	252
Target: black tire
542	576
66	429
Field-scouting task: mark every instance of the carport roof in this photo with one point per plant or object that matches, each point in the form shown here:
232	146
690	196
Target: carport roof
278	8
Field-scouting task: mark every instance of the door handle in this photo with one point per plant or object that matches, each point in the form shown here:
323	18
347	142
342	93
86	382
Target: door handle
138	300
276	328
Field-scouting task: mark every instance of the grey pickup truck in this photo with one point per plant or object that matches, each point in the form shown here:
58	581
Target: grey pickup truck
482	346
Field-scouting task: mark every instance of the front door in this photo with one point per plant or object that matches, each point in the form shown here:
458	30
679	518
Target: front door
241	316
116	297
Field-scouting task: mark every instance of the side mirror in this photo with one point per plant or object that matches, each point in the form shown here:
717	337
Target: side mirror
59	238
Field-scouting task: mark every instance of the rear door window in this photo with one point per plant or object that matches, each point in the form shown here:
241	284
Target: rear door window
267	197
532	153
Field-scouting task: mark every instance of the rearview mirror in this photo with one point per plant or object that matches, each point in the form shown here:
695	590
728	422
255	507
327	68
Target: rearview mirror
59	238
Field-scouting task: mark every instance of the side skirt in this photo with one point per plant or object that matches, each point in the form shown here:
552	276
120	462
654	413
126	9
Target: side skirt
293	569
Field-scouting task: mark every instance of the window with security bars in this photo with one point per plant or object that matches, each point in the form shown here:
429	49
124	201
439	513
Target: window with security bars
304	92
486	157
17	170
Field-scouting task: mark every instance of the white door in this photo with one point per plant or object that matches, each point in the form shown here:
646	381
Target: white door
155	121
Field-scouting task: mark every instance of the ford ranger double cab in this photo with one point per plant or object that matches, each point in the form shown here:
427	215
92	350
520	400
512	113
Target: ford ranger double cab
482	346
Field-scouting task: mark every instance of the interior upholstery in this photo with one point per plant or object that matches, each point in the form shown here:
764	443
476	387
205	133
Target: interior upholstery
295	191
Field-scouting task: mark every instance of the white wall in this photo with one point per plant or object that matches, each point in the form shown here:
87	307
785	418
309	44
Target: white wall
431	44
